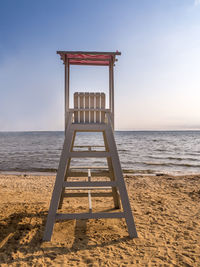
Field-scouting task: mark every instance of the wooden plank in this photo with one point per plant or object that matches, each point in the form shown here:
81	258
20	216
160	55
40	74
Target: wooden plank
86	107
89	127
116	198
120	180
103	104
89	52
89	64
110	89
89	184
89	175
89	154
89	167
66	174
58	183
89	192
111	92
69	118
89	109
89	59
83	174
78	194
89	201
82	98
89	146
113	98
98	215
66	92
92	107
97	95
76	120
89	188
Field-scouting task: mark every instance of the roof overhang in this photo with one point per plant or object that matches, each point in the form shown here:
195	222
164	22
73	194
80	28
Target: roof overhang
89	57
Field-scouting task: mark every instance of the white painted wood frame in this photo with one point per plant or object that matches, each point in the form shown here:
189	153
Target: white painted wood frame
89	115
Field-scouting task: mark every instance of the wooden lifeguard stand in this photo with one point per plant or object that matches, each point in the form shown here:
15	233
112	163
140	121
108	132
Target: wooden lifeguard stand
89	115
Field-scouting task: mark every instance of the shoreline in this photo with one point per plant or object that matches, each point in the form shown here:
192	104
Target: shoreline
125	172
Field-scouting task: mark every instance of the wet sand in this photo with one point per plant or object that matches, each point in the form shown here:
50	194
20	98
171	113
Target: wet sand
167	217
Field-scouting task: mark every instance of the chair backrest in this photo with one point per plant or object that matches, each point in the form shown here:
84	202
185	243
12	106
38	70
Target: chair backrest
90	105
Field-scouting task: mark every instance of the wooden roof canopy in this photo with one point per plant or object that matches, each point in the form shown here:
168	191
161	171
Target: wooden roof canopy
88	58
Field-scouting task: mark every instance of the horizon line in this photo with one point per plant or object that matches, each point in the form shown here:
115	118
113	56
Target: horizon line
117	130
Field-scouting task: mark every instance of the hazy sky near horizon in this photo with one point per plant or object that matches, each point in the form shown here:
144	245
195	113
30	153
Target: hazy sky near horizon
157	77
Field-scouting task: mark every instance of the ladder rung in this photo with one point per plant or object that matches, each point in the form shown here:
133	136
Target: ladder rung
89	146
82	194
90	184
89	167
84	174
96	215
89	188
95	154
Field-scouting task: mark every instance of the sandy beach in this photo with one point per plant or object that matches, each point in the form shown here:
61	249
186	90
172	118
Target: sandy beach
166	210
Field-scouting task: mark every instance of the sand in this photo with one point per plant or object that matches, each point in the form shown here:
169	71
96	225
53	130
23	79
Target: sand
167	216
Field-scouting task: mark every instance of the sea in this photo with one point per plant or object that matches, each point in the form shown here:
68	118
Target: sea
174	152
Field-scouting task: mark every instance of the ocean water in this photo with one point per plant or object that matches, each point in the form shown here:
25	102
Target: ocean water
139	151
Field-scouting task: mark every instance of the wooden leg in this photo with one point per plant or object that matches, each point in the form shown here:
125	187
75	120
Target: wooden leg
120	180
112	177
58	186
66	175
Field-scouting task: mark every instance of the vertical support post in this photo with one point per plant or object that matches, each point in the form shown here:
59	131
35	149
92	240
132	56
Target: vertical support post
66	91
119	178
111	91
112	176
113	104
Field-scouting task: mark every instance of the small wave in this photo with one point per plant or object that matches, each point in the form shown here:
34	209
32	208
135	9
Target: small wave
156	163
177	158
173	158
171	164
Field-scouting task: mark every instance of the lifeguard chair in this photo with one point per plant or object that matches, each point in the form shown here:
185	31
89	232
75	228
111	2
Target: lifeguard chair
89	115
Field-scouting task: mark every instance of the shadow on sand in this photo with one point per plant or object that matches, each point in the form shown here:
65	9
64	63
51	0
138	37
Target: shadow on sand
21	239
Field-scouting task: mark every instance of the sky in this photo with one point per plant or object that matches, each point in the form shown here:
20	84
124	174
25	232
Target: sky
157	77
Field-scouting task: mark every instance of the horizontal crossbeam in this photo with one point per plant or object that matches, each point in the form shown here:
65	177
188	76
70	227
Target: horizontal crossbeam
90	184
89	146
88	167
83	173
89	127
89	53
82	194
89	188
89	59
89	154
89	109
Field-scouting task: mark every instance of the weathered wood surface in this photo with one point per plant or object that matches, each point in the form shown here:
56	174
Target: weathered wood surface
89	108
89	184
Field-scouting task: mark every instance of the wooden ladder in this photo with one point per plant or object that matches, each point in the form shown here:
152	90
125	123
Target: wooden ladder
89	115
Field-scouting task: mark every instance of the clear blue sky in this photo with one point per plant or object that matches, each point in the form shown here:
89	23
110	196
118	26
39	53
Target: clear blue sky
157	78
